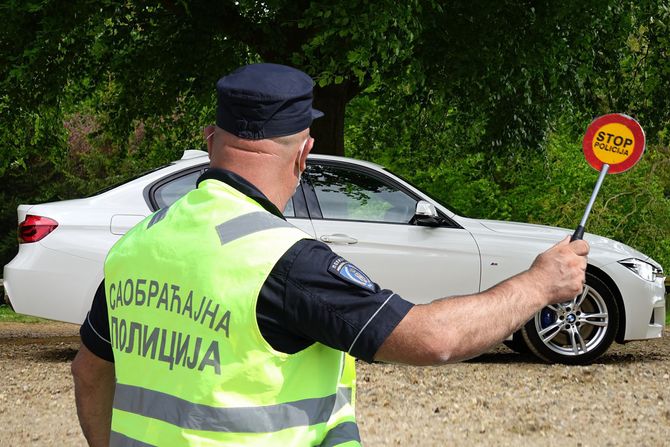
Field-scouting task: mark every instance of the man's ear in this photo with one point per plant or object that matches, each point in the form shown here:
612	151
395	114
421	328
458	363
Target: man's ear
307	148
208	133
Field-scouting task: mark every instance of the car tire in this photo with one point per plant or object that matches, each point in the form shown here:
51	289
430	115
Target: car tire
578	331
517	344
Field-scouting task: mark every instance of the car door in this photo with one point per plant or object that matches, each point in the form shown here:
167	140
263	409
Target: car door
366	217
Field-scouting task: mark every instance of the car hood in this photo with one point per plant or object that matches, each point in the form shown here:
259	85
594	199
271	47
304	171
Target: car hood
600	246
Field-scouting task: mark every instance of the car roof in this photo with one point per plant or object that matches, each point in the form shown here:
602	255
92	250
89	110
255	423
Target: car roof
195	156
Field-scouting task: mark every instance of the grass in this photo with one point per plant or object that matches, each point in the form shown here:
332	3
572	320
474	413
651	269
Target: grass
7	315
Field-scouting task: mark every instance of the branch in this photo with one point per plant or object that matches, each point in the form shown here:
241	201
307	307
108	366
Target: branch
625	218
616	196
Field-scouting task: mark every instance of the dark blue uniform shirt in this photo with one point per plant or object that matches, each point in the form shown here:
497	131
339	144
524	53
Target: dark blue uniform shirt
311	295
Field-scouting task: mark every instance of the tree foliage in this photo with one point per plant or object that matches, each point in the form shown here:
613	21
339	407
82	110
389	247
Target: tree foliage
157	52
516	64
498	133
482	105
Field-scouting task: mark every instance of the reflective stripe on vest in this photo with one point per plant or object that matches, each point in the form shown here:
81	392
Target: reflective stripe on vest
192	367
261	419
340	434
248	224
117	439
344	432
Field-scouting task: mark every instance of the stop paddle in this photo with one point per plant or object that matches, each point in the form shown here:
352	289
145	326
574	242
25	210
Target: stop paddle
612	144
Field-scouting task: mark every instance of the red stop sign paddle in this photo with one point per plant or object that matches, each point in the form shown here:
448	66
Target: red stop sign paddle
612	144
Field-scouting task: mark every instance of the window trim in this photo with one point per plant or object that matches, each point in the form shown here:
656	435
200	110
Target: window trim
311	201
300	206
314	208
300	210
150	190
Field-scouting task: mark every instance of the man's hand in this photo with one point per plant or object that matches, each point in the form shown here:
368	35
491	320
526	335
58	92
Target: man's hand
561	270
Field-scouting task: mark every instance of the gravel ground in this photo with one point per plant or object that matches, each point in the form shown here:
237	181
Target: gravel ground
501	398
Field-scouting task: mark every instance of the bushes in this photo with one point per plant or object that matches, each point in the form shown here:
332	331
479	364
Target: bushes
440	151
54	156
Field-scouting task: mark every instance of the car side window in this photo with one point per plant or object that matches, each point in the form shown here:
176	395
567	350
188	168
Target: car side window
289	211
345	194
168	193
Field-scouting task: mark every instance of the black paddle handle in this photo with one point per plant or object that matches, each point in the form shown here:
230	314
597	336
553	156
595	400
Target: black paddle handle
578	234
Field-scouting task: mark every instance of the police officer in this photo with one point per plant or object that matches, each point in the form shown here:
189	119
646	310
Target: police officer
221	324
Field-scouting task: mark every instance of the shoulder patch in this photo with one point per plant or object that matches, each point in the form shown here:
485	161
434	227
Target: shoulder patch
347	271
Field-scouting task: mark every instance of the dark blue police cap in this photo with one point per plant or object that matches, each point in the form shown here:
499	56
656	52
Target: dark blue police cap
265	100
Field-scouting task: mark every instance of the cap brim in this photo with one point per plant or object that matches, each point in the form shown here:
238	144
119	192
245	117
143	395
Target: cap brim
316	113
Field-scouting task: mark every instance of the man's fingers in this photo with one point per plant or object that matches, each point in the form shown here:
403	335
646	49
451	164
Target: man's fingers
564	241
580	247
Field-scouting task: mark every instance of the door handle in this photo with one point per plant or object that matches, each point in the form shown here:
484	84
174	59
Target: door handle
338	239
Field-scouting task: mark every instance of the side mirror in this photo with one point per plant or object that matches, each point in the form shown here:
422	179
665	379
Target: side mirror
426	214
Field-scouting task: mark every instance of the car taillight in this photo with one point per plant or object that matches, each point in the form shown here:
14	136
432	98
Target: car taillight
35	228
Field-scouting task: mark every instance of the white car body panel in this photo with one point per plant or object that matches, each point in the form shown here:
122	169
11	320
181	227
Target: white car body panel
387	252
121	223
419	263
66	285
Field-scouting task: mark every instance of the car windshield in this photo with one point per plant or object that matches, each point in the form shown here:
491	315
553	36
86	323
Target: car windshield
126	180
441	202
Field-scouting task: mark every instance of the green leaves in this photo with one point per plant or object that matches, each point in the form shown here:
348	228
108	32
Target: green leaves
358	40
438	148
481	104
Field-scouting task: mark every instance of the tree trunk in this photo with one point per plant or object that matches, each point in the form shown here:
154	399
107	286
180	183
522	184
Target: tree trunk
328	131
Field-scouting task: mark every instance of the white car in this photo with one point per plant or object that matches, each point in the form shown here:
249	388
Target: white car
400	237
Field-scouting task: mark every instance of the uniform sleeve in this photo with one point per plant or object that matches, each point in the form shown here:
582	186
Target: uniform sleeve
315	295
94	332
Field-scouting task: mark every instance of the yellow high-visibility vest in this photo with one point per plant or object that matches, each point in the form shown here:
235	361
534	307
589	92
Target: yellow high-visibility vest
192	368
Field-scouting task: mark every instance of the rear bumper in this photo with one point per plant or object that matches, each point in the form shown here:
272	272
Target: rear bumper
51	284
